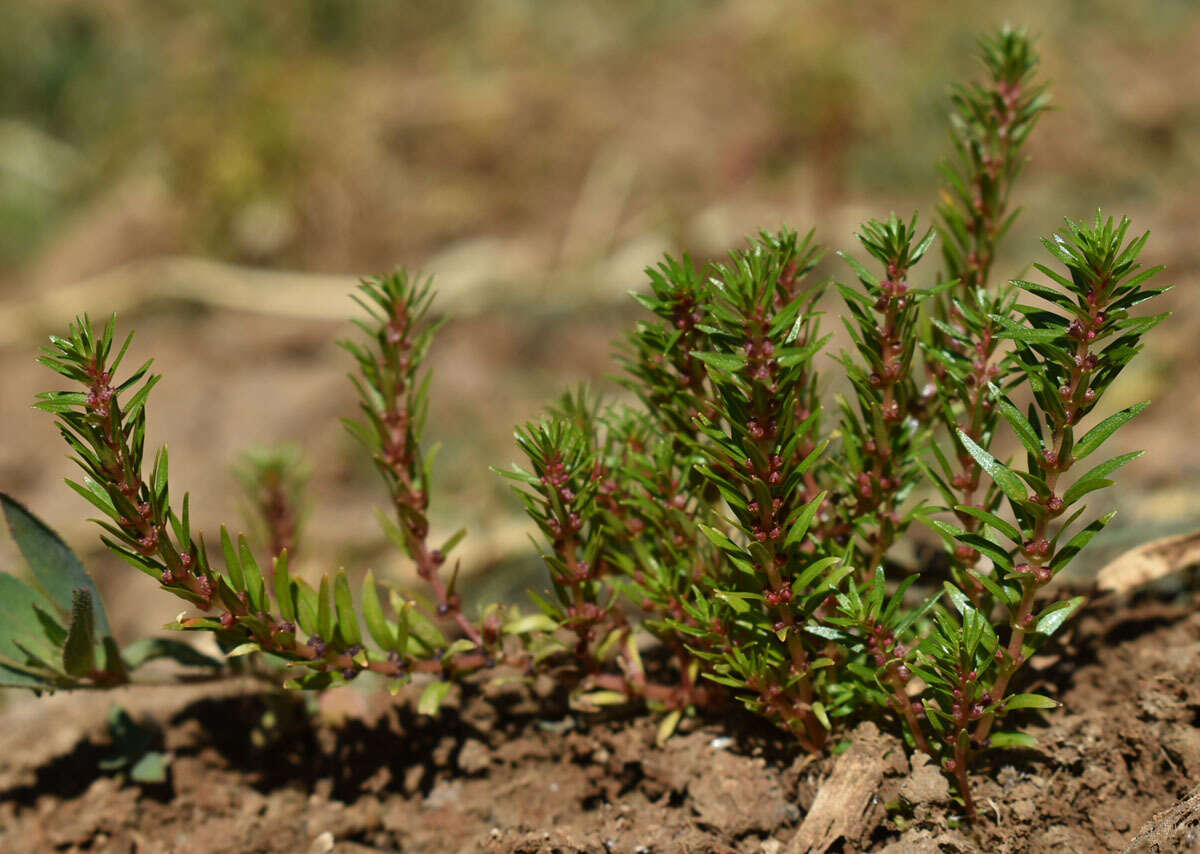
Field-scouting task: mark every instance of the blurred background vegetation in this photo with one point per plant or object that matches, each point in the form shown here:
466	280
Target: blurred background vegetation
221	173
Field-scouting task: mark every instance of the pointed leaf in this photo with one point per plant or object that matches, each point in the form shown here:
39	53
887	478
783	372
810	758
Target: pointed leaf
347	622
432	698
53	564
1094	437
377	624
1010	484
79	651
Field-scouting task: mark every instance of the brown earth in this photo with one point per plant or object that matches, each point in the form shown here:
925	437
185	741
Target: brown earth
511	769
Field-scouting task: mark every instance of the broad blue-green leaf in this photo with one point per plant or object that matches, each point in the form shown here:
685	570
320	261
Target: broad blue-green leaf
53	564
23	615
11	677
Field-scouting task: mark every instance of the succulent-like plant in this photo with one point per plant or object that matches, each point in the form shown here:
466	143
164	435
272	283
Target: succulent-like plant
724	516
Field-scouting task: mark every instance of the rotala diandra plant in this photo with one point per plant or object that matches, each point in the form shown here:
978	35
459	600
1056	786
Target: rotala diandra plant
725	514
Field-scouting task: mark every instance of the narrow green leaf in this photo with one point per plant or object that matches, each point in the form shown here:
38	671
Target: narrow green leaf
1052	619
255	587
233	566
728	363
531	623
1029	701
325	610
667	727
1010	484
243	649
803	520
1020	424
1011	739
991	520
150	768
1094	437
432	698
283	587
347	622
307	606
604	698
377	624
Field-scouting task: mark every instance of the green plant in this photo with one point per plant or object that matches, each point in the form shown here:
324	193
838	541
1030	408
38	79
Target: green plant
54	631
274	478
726	516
